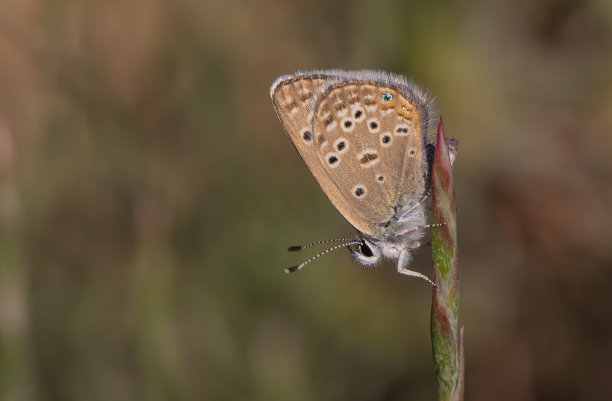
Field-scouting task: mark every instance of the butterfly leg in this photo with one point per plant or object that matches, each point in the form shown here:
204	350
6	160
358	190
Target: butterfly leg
423	199
415	228
402	265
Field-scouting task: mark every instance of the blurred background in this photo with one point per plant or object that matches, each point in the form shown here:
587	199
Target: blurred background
148	194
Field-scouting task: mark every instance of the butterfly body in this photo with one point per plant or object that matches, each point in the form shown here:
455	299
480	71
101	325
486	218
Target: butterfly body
367	138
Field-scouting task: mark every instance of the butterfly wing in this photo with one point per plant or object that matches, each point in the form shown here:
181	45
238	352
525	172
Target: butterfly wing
367	171
369	137
294	97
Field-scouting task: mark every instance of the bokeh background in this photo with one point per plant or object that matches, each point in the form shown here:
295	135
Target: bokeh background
148	193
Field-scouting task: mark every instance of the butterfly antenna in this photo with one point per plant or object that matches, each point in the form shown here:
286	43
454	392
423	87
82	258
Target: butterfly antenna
318	255
295	248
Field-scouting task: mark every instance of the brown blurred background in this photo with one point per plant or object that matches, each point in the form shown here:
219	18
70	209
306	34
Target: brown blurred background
148	193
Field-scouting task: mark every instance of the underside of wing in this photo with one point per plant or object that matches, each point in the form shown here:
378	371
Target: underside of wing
363	135
371	136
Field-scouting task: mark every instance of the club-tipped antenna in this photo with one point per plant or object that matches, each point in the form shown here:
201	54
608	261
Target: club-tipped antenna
295	248
318	255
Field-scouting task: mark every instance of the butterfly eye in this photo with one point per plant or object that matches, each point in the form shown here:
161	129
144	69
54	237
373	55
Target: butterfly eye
366	253
365	250
386	97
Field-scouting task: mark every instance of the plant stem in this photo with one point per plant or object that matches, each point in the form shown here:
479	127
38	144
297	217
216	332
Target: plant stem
447	341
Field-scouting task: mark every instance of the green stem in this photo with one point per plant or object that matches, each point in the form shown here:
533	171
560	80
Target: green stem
447	341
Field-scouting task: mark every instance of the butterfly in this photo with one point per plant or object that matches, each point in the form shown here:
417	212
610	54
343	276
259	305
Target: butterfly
368	139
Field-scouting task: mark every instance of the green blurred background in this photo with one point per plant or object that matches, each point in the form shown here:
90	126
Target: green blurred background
148	193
